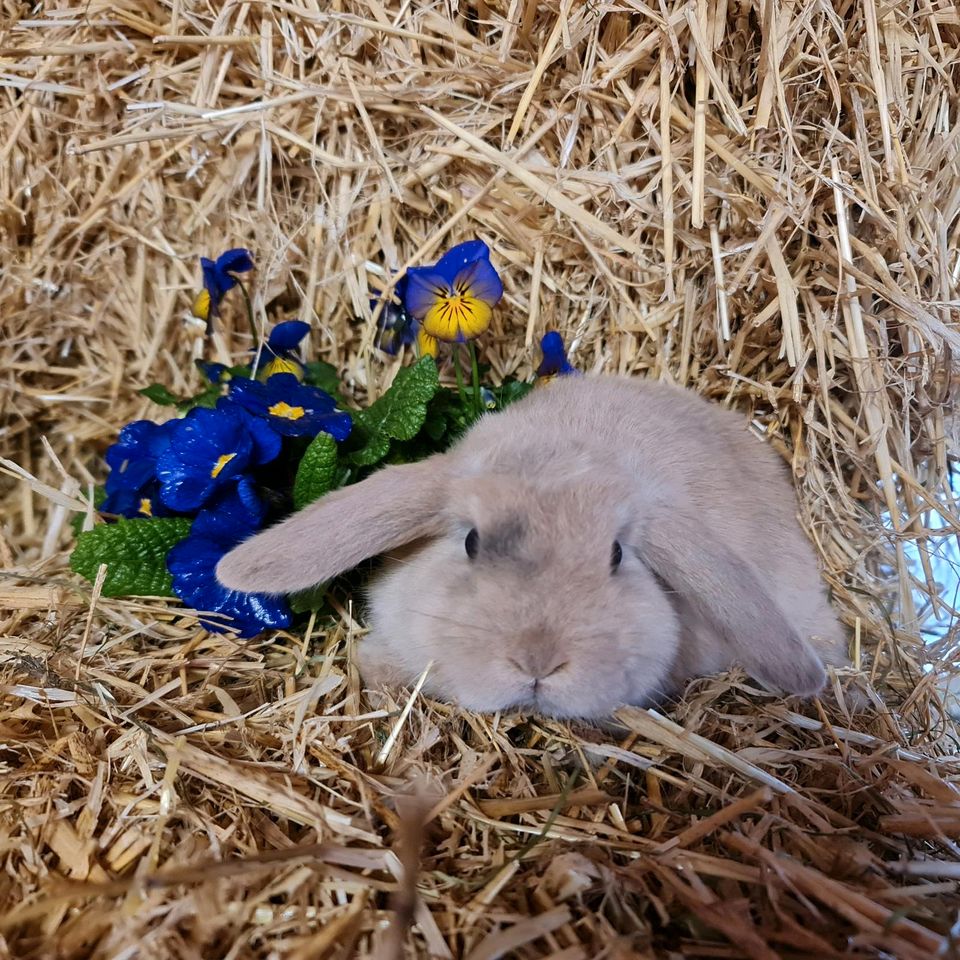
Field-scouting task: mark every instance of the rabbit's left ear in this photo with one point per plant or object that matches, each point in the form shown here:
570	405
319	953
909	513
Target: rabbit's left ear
393	506
726	590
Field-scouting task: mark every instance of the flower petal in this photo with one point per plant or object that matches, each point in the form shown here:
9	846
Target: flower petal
237	260
214	372
457	318
427	346
459	257
230	517
192	563
554	361
201	305
424	288
287	335
480	280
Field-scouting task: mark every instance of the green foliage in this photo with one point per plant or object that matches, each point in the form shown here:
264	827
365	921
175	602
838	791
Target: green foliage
159	394
317	473
510	391
321	374
398	415
135	552
313	598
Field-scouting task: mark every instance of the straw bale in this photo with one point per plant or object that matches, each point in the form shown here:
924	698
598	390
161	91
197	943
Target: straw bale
754	198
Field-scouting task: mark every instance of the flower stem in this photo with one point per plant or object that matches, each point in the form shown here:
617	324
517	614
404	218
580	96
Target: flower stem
253	326
475	369
459	373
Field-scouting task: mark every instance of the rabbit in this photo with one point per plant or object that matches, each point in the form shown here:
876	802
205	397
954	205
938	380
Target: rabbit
594	545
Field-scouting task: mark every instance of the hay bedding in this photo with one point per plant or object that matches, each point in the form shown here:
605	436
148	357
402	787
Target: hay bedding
758	200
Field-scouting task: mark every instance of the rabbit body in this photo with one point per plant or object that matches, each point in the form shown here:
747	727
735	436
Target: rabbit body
595	544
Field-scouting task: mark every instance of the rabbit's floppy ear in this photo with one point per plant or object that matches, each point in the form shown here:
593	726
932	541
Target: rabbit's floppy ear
726	590
393	506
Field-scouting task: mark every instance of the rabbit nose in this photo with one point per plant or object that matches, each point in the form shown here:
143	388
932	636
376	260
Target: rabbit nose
539	660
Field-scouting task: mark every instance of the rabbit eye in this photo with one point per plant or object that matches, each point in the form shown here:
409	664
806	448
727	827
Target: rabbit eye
616	556
472	543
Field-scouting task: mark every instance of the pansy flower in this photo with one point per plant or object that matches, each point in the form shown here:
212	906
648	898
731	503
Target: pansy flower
290	407
283	341
395	328
454	299
218	280
209	448
231	517
554	362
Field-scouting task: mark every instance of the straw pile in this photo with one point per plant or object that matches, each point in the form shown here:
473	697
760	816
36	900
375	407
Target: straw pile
756	199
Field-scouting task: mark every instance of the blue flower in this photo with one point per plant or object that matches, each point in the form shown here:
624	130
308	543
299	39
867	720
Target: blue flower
133	458
283	341
218	280
231	517
290	407
214	372
207	449
454	299
396	328
126	502
554	361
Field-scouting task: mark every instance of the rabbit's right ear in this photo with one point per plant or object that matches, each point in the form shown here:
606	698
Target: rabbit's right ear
726	591
392	507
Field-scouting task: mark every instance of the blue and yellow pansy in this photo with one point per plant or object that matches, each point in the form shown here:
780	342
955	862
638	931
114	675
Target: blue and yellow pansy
218	280
454	299
280	348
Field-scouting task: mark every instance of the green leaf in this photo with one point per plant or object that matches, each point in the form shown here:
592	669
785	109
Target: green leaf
313	598
399	414
135	552
321	374
510	391
317	473
207	397
159	394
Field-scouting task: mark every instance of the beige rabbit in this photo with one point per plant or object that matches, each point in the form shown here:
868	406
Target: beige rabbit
593	545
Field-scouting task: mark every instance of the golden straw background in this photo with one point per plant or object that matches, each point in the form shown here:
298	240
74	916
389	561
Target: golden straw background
755	199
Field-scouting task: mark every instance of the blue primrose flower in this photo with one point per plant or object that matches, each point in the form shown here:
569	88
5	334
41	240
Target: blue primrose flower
290	407
454	299
135	504
131	487
133	458
218	280
209	448
234	514
214	372
555	362
280	350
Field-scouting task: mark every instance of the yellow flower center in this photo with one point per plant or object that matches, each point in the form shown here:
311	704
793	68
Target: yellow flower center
283	409
458	317
279	365
146	508
223	460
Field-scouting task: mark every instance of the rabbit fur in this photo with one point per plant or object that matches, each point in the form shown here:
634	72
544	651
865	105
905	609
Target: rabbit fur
547	495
